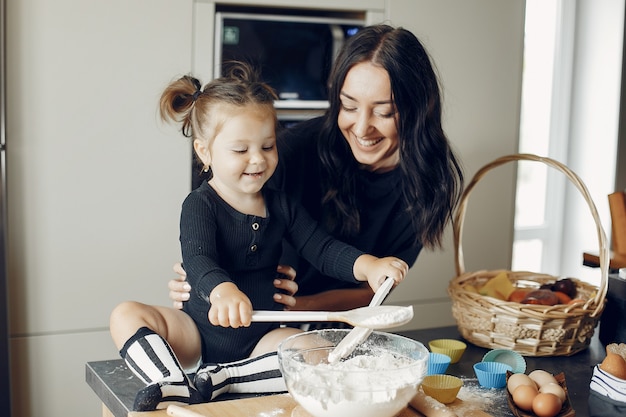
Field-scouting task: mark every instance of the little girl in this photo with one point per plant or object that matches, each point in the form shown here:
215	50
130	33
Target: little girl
231	232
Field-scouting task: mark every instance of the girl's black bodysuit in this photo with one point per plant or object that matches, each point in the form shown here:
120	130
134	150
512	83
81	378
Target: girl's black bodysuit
220	244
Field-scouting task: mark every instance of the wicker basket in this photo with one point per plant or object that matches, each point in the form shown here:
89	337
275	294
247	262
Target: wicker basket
531	330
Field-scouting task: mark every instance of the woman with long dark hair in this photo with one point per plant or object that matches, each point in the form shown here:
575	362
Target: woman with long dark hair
377	170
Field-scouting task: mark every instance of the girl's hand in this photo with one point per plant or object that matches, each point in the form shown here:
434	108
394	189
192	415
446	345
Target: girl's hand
179	287
375	270
229	306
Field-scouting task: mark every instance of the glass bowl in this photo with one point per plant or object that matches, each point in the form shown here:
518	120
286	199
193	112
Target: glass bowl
377	380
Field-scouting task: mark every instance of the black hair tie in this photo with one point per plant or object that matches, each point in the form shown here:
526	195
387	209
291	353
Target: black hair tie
196	94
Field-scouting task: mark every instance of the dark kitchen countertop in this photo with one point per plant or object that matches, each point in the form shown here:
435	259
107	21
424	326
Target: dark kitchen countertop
116	386
577	368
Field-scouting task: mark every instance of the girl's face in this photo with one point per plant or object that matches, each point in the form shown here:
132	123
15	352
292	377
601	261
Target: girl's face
367	117
243	154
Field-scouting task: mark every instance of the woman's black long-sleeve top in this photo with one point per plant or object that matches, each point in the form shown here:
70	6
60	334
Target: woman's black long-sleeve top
386	227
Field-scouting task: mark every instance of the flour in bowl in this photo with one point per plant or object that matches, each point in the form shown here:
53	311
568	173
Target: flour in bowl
376	384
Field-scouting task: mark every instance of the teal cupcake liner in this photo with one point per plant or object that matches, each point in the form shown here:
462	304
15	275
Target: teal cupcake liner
509	357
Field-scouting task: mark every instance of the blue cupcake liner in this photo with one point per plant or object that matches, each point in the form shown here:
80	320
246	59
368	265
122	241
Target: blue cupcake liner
437	363
491	374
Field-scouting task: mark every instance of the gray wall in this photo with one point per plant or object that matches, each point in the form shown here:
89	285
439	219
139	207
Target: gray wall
477	47
95	182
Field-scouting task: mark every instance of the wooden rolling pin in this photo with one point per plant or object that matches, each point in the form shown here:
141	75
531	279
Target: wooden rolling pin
432	408
177	411
429	406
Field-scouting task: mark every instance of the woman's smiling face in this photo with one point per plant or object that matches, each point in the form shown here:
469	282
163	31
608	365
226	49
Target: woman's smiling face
367	117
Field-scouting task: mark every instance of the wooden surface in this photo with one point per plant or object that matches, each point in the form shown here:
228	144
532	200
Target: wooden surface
281	405
106	412
617	206
616	261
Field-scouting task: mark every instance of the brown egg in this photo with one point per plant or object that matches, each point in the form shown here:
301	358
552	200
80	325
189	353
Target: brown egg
542	377
615	365
546	405
515	380
555	389
524	395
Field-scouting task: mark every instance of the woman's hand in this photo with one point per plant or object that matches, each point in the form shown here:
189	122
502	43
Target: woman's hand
375	270
180	288
287	286
230	307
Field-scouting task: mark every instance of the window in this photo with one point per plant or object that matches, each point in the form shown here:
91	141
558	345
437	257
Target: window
570	113
533	226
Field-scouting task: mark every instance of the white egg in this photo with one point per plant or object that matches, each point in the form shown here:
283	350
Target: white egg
542	377
555	389
518	379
